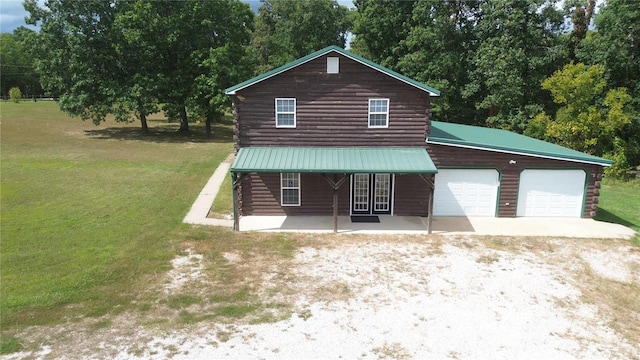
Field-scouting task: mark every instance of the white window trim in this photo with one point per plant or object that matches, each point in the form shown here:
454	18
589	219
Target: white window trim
295	106
282	188
333	65
385	112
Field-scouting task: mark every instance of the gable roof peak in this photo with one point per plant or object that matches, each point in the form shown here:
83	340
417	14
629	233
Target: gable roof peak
332	48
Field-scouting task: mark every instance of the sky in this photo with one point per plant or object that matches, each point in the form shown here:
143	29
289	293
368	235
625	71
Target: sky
12	13
12	16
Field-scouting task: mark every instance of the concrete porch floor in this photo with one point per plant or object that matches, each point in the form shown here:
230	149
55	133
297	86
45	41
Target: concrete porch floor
564	227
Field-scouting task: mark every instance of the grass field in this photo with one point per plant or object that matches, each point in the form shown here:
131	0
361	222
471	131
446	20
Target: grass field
620	203
90	213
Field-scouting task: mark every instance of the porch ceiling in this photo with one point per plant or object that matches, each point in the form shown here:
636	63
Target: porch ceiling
333	160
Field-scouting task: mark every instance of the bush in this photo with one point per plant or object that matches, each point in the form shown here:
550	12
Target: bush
15	94
621	169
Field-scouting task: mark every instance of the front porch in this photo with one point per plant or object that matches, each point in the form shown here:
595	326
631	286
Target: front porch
324	224
259	185
488	226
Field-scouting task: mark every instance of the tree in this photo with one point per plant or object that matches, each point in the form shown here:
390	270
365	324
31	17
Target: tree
580	18
16	66
615	44
590	118
287	30
75	55
123	57
437	51
226	64
191	31
516	51
380	27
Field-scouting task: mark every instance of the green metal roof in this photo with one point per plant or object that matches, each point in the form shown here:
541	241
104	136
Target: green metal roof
332	160
232	90
505	141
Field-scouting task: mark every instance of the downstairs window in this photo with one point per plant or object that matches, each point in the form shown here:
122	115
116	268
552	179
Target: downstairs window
290	189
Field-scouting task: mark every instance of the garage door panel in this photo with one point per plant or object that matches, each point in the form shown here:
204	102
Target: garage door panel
539	198
471	198
557	212
557	199
552	193
461	192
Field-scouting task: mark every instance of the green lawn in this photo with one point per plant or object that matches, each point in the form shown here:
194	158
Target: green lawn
223	204
88	211
620	203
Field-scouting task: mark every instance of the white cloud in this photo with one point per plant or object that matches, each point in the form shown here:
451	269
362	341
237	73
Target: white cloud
12	15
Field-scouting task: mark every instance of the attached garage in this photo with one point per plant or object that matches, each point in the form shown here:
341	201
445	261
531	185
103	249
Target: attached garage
466	192
551	193
536	178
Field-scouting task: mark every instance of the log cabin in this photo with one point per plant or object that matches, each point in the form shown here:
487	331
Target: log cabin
335	134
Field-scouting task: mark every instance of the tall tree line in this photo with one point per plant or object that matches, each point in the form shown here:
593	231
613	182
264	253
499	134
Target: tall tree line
129	58
498	63
16	66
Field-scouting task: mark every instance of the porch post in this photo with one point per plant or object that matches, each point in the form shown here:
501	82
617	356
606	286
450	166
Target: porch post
335	210
430	184
234	196
335	185
431	193
235	185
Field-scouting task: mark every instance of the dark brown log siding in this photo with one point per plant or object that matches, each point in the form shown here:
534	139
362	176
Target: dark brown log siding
449	156
331	109
261	196
411	196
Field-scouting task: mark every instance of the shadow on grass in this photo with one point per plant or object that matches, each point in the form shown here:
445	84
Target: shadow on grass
606	216
221	132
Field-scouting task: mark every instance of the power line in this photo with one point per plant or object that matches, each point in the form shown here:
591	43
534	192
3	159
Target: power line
9	65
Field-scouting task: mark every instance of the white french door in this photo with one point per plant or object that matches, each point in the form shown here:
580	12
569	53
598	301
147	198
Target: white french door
361	193
371	193
382	193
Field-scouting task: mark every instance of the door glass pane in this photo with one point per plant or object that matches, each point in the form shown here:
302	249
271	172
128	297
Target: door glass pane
381	189
361	192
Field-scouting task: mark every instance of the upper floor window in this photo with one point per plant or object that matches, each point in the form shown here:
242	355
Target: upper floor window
285	112
333	65
378	113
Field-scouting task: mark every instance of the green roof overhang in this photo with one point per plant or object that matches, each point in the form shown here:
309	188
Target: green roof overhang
476	137
333	160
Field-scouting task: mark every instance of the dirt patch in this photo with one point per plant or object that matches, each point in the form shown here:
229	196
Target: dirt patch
186	270
380	298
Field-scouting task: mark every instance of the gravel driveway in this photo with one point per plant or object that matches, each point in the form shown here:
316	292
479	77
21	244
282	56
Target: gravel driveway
407	298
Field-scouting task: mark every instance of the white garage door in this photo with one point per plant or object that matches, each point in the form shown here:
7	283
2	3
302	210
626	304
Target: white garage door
557	193
465	192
